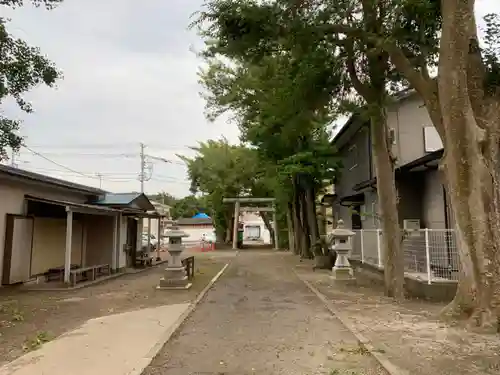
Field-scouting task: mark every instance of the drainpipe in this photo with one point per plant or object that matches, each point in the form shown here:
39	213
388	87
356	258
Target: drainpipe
447	226
370	147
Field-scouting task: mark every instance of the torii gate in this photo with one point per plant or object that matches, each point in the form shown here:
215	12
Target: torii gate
237	209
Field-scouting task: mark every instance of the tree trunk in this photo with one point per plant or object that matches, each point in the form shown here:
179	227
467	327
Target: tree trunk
290	227
387	197
306	251
312	220
297	225
471	122
268	225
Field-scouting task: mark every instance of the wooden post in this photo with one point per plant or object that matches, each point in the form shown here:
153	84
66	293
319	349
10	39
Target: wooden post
158	255
69	242
235	226
149	235
84	241
115	244
275	227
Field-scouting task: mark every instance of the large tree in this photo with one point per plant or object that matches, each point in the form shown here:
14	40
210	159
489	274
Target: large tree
344	72
281	105
22	67
463	101
464	105
221	170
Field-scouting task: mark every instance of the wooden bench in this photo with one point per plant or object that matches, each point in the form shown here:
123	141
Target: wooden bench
89	273
102	270
82	274
188	263
57	273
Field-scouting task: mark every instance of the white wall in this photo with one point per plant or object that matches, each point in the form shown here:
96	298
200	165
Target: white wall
195	233
265	236
12	202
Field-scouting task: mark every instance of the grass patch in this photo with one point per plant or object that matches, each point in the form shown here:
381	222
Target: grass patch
35	342
360	349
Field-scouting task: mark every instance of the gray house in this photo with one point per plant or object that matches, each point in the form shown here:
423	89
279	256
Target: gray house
423	203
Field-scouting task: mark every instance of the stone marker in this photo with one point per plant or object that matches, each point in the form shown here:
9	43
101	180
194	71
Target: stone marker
342	244
175	276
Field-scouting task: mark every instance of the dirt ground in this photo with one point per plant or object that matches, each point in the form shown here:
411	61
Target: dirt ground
410	333
28	319
259	318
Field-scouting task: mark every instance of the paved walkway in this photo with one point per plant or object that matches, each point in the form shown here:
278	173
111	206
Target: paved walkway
111	345
261	319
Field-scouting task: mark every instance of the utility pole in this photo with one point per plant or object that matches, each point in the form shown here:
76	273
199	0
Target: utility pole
142	176
99	176
13	159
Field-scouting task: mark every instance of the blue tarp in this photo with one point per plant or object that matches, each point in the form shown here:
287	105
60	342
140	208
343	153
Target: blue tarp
201	215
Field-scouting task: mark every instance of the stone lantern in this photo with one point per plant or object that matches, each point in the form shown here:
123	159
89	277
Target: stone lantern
175	276
342	244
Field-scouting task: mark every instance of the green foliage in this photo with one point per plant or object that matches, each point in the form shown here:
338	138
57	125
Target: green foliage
221	170
181	208
22	67
188	207
164	198
491	53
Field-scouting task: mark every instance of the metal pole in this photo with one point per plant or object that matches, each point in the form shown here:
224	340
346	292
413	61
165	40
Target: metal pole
428	257
379	250
13	159
362	246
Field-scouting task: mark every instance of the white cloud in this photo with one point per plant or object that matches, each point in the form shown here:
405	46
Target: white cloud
129	77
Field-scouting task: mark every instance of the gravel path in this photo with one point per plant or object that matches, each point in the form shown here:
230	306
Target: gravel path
260	319
27	319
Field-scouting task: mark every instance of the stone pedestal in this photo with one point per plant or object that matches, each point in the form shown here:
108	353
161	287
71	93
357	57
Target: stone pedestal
342	269
175	275
341	238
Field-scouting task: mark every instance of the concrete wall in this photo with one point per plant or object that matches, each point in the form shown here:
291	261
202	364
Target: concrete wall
99	249
195	232
49	244
437	292
355	158
265	236
12	201
408	117
433	205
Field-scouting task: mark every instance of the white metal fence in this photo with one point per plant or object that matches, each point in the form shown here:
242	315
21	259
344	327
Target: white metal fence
429	254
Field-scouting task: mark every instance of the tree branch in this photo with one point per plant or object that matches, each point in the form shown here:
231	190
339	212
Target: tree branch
359	86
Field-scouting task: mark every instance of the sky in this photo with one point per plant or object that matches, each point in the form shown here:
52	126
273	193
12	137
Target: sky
130	76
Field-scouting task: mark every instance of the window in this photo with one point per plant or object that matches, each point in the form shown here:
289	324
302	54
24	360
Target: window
353	157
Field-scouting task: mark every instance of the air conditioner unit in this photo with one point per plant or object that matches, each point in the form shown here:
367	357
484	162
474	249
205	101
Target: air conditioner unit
411	224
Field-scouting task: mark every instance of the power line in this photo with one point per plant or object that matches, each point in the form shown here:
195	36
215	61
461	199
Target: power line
170	181
56	163
107	145
104	174
80	154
